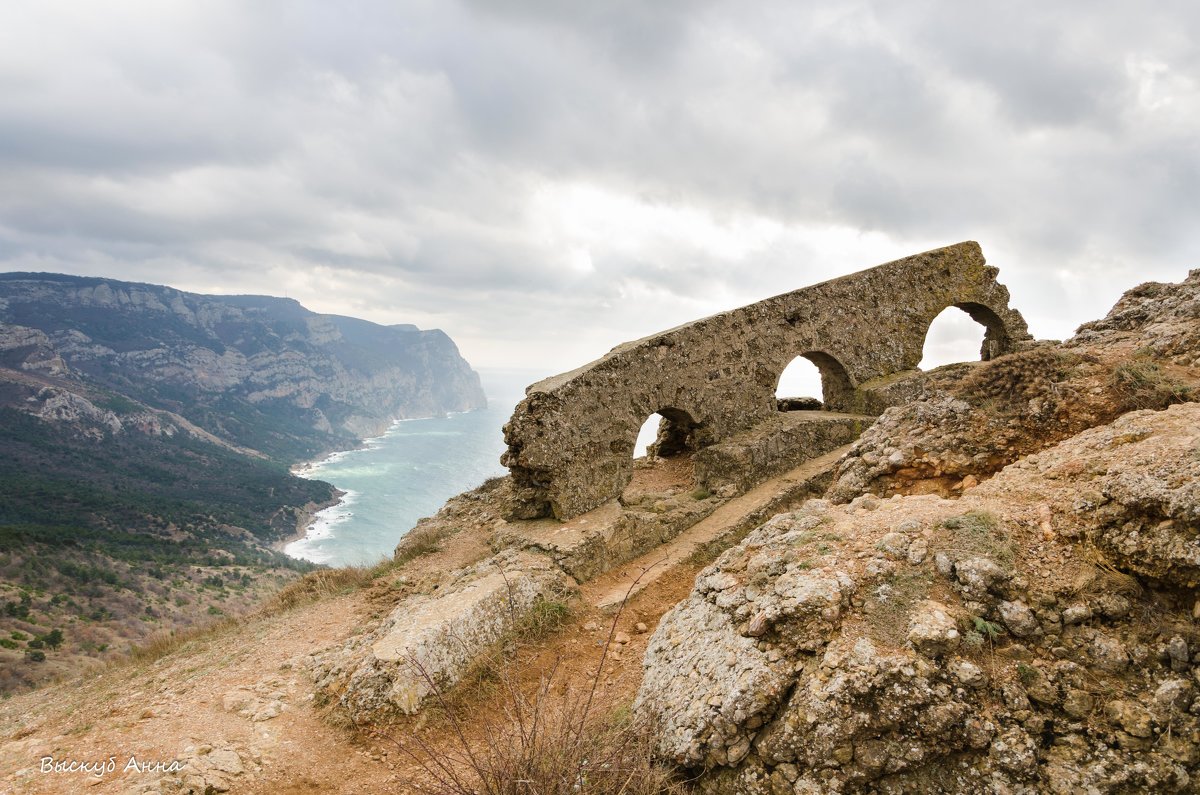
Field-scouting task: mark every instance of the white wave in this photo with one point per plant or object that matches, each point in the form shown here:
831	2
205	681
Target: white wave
363	471
321	529
434	433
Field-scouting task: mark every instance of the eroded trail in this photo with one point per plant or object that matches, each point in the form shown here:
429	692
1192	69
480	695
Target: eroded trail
738	515
234	708
237	709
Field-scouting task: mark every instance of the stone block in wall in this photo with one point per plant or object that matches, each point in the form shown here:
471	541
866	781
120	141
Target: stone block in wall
774	446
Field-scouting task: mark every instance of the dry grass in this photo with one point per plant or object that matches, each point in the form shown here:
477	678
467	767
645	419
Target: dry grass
889	605
420	541
1009	382
163	643
548	743
1101	577
974	533
1143	384
490	667
555	740
323	583
312	587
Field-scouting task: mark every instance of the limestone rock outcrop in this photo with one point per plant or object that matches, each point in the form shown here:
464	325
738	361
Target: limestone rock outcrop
969	421
991	643
433	636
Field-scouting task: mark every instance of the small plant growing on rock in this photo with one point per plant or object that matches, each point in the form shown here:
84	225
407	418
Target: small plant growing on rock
977	631
986	629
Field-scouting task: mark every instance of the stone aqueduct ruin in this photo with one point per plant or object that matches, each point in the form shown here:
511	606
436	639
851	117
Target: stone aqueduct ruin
571	440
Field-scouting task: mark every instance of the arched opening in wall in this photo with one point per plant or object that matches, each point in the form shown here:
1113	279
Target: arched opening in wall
799	386
812	374
662	464
963	333
647	434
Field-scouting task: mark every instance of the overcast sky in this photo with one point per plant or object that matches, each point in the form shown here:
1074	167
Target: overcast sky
544	180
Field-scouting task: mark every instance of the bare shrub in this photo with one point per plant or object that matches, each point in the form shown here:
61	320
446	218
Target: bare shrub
556	740
548	742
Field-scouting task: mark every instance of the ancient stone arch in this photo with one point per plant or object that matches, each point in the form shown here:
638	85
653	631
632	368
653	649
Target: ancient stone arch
570	439
995	339
837	388
678	432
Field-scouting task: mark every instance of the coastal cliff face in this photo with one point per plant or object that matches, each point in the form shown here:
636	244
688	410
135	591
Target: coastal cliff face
146	437
259	372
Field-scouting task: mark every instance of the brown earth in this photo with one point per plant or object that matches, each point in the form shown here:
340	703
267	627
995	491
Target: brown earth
174	708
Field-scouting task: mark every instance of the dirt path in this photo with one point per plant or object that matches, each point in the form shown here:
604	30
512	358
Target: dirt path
211	703
771	496
237	707
238	700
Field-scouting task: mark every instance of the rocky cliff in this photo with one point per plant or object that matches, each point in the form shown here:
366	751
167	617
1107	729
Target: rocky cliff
259	372
1003	602
146	437
993	590
996	593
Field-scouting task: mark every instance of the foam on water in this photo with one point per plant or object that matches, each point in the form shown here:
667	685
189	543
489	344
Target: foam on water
403	475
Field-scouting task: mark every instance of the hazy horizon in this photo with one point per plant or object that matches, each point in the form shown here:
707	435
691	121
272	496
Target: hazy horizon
544	181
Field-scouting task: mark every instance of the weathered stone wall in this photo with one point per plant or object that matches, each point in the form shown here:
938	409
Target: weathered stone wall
570	442
779	443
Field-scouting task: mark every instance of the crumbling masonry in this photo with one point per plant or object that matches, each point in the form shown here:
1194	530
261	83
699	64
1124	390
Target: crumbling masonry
571	440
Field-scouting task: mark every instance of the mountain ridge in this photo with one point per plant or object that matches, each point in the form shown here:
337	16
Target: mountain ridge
341	378
148	435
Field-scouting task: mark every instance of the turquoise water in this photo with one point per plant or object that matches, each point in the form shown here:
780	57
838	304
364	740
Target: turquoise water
406	474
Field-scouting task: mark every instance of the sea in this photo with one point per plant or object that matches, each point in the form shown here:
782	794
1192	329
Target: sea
407	473
410	471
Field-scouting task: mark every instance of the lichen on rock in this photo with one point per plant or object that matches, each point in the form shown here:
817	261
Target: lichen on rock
990	665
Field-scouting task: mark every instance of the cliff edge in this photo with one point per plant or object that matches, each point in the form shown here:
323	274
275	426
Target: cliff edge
989	587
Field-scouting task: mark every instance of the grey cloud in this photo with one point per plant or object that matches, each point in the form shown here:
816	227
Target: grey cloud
1032	56
630	32
387	155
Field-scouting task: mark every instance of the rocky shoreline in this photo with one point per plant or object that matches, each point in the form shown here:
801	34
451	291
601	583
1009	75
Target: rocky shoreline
304	520
308	515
